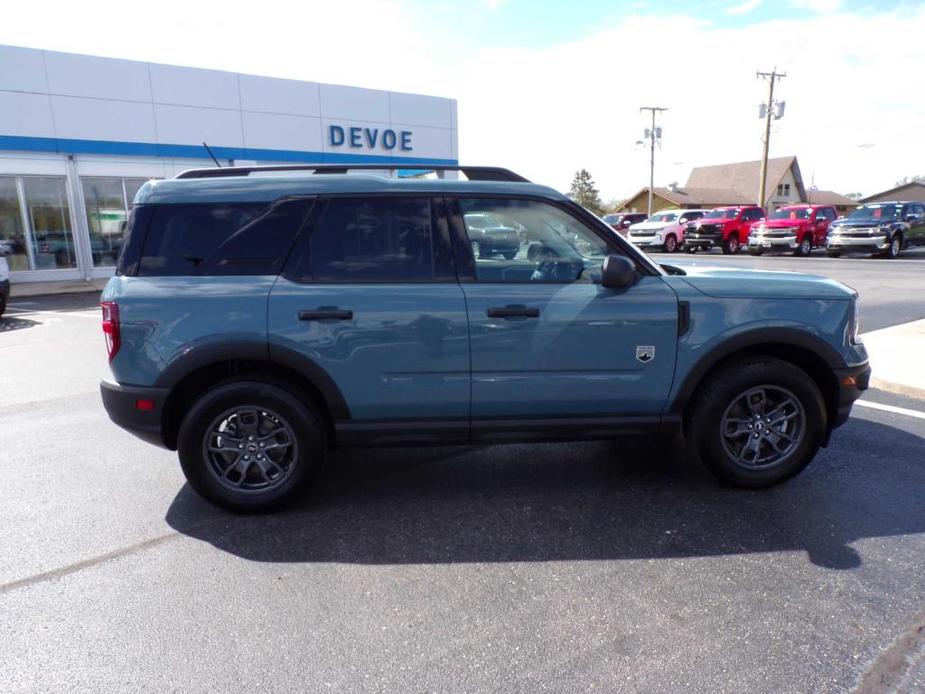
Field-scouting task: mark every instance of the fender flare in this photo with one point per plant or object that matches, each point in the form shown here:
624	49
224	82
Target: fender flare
754	337
252	350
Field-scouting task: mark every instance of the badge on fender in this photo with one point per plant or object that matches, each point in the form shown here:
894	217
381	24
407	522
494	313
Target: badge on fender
645	353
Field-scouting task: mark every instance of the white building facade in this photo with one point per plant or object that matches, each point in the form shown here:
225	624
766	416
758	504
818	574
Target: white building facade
80	134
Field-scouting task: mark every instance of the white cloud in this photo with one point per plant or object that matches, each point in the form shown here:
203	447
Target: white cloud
743	8
493	4
817	5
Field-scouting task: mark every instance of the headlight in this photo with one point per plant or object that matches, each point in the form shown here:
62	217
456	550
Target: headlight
854	323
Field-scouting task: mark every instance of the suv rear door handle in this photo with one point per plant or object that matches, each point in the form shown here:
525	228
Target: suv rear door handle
326	314
514	311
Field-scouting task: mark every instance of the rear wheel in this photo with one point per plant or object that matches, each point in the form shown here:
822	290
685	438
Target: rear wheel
251	446
731	245
757	422
671	244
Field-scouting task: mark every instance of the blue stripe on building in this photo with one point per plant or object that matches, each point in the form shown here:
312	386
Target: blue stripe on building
60	145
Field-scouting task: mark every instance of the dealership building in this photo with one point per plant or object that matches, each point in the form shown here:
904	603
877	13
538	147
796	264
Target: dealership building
80	134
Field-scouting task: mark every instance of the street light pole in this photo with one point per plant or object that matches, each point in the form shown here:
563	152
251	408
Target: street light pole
653	110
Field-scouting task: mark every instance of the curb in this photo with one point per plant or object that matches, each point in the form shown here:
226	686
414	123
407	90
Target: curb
898	388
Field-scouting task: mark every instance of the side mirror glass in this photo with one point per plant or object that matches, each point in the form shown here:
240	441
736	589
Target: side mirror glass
617	272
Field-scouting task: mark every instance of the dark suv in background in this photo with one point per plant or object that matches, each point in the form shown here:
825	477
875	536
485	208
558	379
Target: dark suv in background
885	228
622	221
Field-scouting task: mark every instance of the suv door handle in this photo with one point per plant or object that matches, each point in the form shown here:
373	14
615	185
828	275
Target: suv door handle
514	311
326	314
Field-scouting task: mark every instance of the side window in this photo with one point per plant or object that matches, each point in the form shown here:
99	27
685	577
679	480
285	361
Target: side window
359	240
529	241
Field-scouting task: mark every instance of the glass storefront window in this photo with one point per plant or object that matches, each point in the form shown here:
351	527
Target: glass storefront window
12	238
107	202
49	216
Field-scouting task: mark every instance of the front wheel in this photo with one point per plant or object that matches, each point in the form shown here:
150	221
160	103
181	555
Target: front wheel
754	251
757	422
895	247
671	244
805	247
731	245
833	254
691	249
251	446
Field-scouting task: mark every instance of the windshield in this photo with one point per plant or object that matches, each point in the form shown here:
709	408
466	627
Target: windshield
873	213
793	213
611	218
729	213
665	217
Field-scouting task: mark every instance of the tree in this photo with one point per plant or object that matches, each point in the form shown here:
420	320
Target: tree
585	193
910	179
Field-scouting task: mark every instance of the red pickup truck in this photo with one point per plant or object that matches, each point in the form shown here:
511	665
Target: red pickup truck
724	227
797	228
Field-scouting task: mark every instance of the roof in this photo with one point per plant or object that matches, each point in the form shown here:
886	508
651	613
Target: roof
885	193
266	188
829	197
702	197
742	177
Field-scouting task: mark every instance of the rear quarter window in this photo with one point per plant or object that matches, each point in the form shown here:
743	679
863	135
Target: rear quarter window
220	238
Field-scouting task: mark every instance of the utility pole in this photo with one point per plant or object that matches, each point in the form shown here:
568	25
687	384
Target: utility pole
651	134
771	77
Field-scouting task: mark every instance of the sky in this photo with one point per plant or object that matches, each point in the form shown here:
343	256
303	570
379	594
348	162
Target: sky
546	88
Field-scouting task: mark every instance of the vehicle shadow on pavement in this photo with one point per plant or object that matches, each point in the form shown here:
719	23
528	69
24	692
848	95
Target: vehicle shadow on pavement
556	502
9	324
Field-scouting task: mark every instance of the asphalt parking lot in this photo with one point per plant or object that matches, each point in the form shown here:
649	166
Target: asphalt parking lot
560	567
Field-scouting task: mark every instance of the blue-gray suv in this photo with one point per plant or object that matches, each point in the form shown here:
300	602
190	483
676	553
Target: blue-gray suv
262	317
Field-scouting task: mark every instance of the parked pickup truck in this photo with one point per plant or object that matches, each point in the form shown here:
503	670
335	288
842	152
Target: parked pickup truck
884	228
797	228
663	231
723	227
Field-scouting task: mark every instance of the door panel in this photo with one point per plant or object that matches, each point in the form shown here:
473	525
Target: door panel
578	357
403	354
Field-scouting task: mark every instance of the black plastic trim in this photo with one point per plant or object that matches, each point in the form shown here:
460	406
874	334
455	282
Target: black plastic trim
753	338
848	394
119	402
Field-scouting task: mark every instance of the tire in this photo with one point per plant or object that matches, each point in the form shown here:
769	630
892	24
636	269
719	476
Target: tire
671	244
691	249
509	255
755	251
2	306
896	247
805	247
731	245
833	254
729	399
273	407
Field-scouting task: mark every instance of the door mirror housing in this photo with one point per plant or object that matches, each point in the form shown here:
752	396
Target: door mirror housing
617	272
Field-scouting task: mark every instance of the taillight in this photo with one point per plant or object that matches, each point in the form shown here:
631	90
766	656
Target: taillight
111	329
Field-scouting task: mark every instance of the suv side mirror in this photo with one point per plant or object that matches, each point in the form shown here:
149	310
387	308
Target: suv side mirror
617	272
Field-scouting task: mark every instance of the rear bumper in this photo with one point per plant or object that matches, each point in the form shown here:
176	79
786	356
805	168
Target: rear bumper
852	382
121	403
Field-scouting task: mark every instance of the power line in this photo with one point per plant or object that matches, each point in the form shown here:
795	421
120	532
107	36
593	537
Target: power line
771	77
652	134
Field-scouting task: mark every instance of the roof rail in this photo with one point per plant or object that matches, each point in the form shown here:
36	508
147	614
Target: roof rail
473	173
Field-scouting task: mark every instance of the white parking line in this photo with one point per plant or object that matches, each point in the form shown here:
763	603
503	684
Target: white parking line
891	408
82	314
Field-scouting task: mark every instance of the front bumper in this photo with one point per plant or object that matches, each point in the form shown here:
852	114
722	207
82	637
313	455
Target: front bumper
703	241
121	403
773	242
857	243
647	241
852	382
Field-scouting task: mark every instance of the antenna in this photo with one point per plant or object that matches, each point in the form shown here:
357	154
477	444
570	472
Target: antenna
208	149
